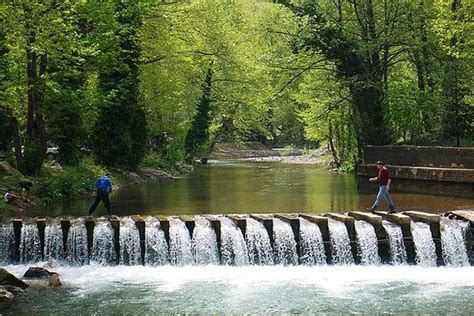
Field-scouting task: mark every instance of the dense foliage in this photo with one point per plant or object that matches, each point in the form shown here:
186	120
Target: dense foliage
173	78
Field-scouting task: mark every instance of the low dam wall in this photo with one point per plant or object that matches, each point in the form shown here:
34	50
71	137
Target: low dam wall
333	238
439	170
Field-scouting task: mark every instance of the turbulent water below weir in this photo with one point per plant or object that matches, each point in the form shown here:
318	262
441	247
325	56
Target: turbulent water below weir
251	289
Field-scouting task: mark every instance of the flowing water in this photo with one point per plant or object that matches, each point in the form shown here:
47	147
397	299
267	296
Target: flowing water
204	243
76	246
311	244
180	243
53	242
205	290
453	242
30	244
398	252
233	246
424	244
103	245
367	244
340	243
130	251
6	243
156	247
284	243
258	243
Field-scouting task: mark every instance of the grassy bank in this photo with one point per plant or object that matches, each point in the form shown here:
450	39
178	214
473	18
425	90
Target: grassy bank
55	183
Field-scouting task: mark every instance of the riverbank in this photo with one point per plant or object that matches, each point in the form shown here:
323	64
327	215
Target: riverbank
256	152
56	183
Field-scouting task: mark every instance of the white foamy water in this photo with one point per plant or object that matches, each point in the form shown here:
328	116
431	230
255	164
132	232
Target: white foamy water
204	243
311	243
103	245
233	247
180	243
367	244
156	247
76	246
340	243
53	242
30	245
130	251
258	243
424	245
398	252
284	243
6	243
453	241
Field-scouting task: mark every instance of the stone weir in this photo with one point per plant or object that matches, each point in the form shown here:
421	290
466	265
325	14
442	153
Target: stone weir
333	238
424	169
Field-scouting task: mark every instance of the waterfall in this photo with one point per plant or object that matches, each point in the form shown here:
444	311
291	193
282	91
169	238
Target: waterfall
53	242
130	251
103	244
453	242
156	247
424	244
30	245
204	243
76	245
340	243
180	243
258	243
284	243
398	252
233	247
311	243
367	243
7	242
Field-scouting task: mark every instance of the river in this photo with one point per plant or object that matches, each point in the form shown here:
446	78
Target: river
250	187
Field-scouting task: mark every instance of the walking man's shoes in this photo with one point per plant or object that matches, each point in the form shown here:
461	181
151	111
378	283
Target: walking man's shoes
371	210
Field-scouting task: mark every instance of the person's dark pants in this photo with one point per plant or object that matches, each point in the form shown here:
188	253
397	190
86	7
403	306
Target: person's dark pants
104	197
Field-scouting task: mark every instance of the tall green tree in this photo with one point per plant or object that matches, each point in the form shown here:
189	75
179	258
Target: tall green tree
120	132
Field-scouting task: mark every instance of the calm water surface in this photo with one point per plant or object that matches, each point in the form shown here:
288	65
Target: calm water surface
245	187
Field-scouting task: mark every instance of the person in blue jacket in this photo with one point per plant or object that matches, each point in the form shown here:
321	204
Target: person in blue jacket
103	187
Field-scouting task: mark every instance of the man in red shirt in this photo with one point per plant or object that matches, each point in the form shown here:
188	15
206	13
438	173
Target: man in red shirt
384	181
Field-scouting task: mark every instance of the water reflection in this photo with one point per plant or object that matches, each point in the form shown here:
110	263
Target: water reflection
253	187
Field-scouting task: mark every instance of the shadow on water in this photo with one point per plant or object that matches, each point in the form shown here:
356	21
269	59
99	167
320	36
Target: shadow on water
254	188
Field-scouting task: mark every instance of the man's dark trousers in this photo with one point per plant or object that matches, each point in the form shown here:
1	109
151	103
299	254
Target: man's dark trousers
104	197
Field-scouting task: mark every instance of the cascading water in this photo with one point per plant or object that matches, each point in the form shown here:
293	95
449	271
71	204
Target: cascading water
130	251
311	243
340	243
453	242
103	245
424	244
398	252
233	247
30	245
7	241
204	243
76	246
367	243
156	247
180	243
258	243
284	243
53	242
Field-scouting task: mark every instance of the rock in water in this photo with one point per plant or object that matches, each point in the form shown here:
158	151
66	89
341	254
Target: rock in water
9	279
5	296
37	273
54	281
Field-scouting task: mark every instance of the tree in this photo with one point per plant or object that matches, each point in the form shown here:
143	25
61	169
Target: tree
197	138
120	131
